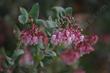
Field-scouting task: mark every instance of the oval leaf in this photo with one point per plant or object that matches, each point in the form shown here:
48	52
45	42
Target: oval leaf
23	11
23	19
68	11
41	22
59	11
34	12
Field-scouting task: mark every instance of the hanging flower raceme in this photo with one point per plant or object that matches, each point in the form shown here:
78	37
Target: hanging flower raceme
29	36
66	36
85	46
32	36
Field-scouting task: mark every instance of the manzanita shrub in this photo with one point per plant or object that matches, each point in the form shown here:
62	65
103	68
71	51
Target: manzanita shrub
44	41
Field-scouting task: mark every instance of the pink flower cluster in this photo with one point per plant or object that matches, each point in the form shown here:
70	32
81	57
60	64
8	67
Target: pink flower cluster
31	36
85	47
69	56
66	36
81	44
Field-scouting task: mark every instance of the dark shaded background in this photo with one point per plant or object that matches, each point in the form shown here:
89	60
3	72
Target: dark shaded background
96	14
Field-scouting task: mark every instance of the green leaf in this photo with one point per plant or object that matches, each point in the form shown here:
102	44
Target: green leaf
58	11
41	64
39	55
34	12
41	22
38	58
23	11
48	31
40	45
68	11
50	53
18	52
23	18
51	24
47	60
9	60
